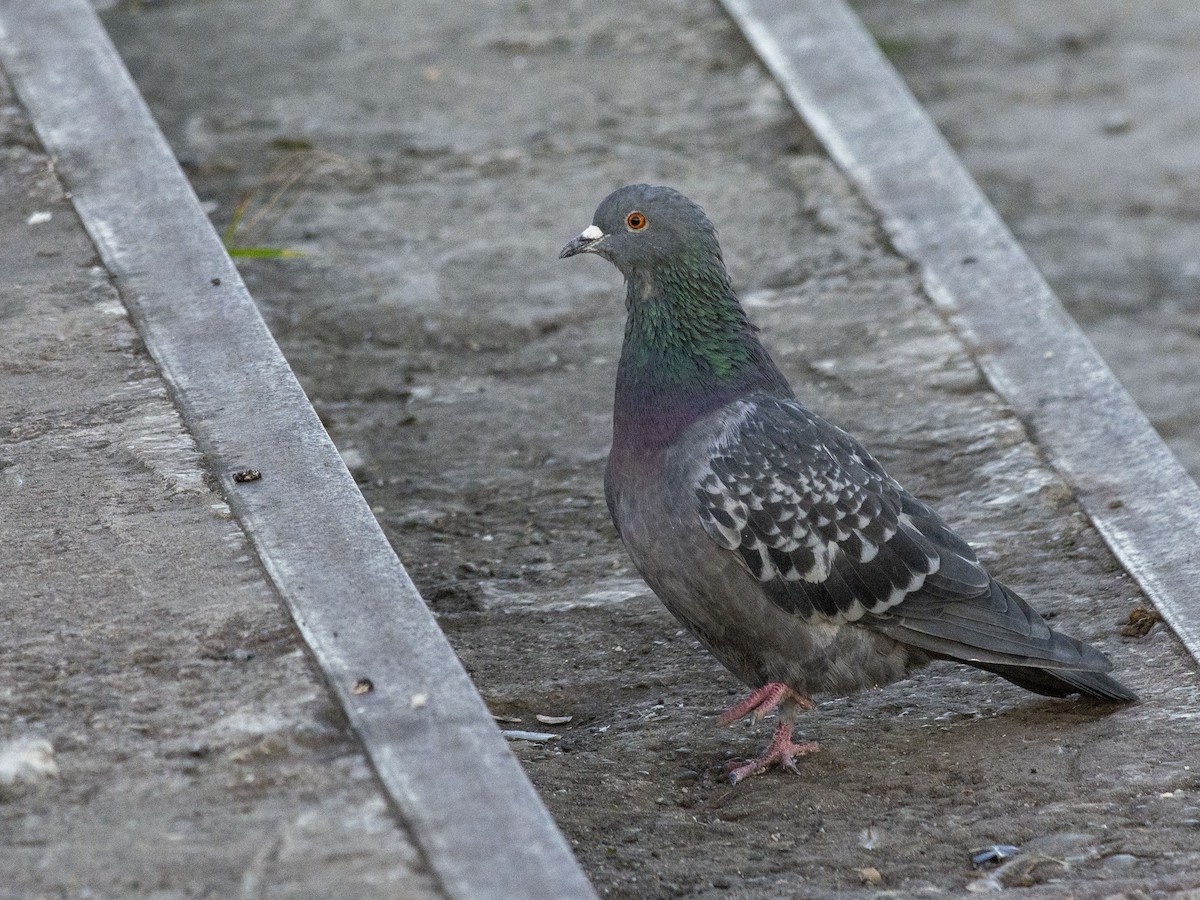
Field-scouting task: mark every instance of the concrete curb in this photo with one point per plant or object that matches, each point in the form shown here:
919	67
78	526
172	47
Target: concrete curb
1140	498
438	753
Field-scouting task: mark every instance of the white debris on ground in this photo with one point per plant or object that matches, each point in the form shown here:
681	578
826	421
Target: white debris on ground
26	760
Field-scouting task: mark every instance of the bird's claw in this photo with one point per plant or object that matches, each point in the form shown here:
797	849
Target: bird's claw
741	772
783	756
782	752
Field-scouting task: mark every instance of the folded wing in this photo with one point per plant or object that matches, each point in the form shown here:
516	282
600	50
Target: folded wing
830	536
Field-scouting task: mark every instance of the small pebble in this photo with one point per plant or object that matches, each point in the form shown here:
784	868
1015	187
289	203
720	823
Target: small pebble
870	876
1119	861
1117	123
993	855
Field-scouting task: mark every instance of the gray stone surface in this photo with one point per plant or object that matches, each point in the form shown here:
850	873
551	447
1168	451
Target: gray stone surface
1081	122
466	374
198	753
435	748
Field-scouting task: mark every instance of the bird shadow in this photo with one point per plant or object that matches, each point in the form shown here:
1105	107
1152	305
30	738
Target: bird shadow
958	732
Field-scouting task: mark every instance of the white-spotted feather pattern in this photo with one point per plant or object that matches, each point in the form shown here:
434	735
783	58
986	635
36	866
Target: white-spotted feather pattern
811	514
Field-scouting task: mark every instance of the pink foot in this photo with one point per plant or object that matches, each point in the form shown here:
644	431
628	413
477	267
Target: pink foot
762	701
782	751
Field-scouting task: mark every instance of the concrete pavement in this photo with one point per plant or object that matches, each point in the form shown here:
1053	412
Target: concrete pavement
198	751
475	825
186	614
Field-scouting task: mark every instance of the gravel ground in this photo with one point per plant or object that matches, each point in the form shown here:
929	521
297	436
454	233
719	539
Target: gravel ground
444	153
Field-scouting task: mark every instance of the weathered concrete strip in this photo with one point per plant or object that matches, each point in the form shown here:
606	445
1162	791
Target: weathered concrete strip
1140	498
144	655
483	829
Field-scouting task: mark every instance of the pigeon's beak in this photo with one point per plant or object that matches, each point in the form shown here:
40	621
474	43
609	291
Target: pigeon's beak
585	243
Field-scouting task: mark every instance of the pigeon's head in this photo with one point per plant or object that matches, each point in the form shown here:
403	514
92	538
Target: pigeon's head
644	226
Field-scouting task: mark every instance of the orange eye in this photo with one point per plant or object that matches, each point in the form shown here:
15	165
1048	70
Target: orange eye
636	221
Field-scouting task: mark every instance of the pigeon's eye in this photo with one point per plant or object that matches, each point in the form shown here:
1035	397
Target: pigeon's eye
636	221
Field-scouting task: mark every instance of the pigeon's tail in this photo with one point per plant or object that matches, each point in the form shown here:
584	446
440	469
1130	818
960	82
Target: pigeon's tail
999	632
1061	683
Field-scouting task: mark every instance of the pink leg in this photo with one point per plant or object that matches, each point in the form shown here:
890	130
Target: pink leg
762	701
782	750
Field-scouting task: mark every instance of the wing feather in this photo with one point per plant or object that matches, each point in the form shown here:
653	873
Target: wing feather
830	536
812	516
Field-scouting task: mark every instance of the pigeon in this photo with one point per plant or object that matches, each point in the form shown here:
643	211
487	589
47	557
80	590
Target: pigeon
769	532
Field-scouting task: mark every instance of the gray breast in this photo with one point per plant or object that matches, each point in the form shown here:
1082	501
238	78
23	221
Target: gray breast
711	591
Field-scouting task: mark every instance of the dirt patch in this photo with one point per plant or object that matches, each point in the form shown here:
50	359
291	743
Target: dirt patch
466	375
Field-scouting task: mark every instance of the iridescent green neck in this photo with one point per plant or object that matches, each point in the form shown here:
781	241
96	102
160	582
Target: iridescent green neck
689	349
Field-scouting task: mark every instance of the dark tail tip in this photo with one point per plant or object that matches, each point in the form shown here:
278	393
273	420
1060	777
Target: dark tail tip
1064	682
1097	686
